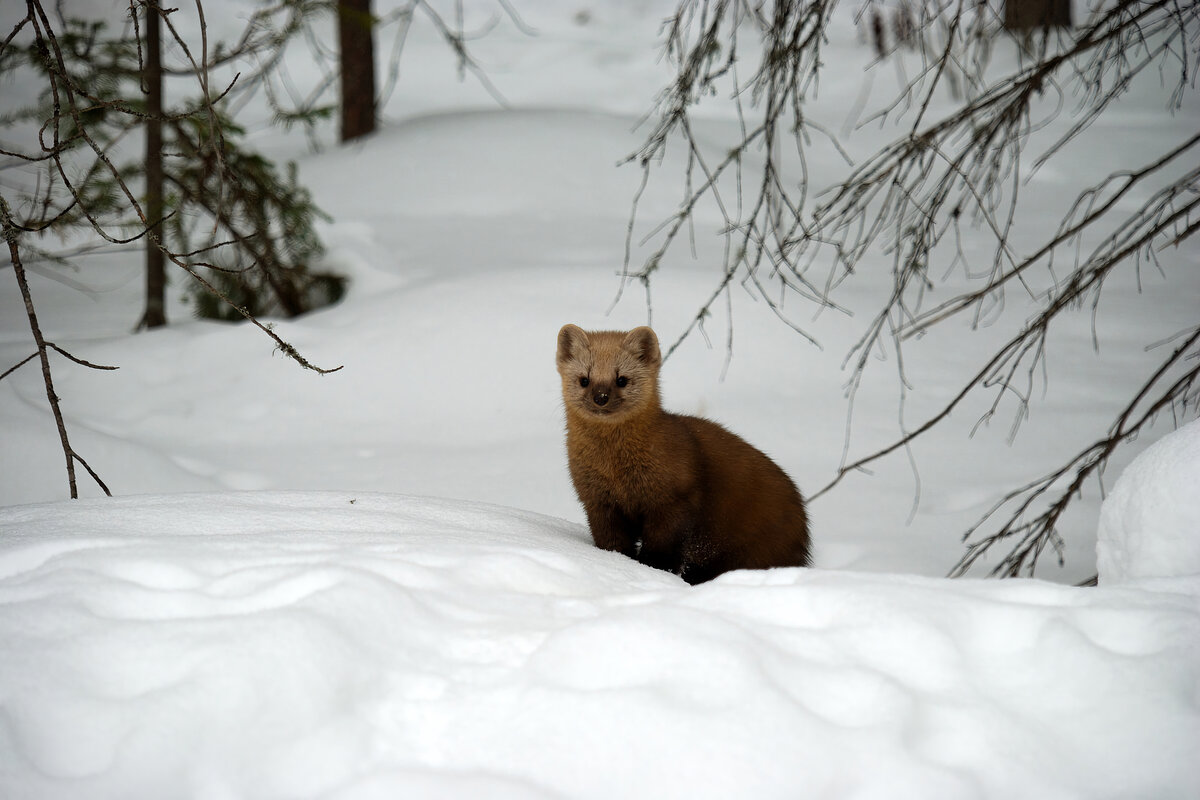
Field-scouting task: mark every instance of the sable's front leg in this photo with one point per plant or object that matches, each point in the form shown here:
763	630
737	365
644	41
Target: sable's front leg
665	535
613	530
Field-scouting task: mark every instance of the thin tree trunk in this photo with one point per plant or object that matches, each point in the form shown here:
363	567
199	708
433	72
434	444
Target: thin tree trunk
355	40
1026	15
156	277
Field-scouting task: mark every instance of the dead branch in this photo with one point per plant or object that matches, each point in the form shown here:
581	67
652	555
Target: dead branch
11	237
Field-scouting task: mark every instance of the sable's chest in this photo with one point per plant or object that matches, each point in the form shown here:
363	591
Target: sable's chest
616	473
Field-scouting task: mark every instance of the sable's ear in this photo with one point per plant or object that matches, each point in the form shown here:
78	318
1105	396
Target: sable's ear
571	340
643	343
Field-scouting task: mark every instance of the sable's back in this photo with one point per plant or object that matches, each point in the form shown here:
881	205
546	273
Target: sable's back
747	492
742	466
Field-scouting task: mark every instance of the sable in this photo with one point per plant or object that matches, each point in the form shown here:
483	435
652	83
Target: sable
675	492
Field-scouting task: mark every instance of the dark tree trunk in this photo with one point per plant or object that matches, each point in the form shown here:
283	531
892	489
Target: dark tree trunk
1027	15
156	279
355	33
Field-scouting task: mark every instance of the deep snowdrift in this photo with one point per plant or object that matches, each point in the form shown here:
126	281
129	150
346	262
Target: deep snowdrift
303	644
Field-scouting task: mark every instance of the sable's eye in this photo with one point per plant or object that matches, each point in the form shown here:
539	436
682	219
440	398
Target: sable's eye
584	381
622	381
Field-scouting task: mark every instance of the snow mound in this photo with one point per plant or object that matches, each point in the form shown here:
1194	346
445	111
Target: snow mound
274	645
1150	524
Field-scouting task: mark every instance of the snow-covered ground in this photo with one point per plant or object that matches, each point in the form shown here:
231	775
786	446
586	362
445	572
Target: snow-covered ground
304	644
321	586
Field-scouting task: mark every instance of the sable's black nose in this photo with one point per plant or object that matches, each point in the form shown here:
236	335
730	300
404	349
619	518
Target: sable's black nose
600	398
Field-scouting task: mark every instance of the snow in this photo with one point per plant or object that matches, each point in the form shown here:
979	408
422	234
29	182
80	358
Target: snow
1150	524
310	644
377	583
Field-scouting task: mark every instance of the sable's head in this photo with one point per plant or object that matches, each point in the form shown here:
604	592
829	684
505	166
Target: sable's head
608	375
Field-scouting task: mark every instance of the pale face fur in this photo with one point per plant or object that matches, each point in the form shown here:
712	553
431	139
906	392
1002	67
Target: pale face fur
608	376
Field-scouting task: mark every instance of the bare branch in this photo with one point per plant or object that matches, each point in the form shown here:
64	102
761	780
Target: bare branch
11	236
911	199
1035	534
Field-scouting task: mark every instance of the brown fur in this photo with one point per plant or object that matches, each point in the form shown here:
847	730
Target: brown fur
675	492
